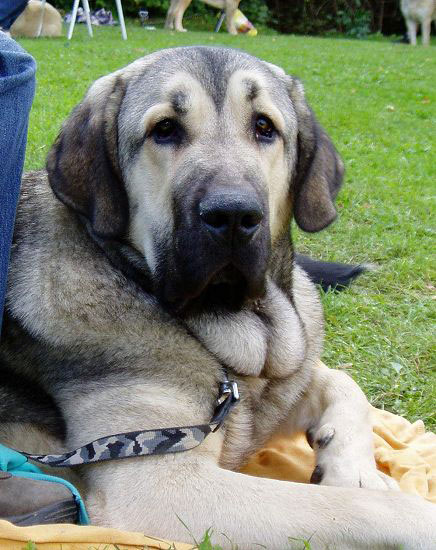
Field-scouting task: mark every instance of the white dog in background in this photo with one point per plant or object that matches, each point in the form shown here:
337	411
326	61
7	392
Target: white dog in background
419	12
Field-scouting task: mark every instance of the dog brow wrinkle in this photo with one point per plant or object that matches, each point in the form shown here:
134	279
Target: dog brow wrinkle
179	102
252	89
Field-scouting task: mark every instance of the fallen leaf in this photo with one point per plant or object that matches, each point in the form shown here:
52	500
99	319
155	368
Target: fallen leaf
397	367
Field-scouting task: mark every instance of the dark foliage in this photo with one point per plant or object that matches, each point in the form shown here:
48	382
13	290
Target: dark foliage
353	17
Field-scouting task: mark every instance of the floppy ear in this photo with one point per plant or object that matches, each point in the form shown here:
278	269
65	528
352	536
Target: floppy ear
319	170
82	165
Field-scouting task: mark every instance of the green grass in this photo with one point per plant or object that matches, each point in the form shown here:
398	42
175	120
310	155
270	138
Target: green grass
377	101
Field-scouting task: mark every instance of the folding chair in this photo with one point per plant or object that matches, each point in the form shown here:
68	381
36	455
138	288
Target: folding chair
87	17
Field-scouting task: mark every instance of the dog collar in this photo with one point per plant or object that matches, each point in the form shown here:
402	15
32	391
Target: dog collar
147	442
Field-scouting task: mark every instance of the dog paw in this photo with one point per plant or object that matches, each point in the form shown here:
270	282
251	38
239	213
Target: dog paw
340	464
320	438
353	475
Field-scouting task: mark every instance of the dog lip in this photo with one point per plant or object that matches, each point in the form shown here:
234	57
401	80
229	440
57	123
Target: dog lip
229	274
226	288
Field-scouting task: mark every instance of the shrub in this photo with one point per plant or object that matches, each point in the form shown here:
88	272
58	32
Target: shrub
354	17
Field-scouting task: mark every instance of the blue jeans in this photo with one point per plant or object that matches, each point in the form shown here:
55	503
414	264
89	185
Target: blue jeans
9	11
17	88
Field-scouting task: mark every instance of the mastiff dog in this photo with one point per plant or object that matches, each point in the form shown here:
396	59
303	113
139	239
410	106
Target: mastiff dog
152	266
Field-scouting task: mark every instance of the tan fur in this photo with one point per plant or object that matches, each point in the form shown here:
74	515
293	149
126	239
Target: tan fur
419	12
273	163
153	370
27	24
152	213
176	11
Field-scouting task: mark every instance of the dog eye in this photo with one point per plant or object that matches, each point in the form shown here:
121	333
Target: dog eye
264	129
166	131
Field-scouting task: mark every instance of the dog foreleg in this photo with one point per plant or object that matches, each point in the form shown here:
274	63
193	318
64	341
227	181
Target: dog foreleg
411	30
425	30
337	417
169	21
180	496
175	15
231	7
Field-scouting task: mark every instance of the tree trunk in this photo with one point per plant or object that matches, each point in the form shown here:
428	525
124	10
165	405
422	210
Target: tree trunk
381	16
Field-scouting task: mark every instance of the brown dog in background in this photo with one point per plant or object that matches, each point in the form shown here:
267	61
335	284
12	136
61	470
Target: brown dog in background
177	10
37	20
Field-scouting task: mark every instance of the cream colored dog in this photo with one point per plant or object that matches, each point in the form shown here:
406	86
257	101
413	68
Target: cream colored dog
29	21
178	7
419	12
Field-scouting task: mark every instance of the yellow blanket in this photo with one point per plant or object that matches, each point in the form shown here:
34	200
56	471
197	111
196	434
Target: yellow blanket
74	537
403	450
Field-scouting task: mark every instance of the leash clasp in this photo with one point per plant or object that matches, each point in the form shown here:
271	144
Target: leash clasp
227	399
229	387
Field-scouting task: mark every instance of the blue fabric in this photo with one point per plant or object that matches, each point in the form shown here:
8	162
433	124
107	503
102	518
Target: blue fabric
17	87
9	11
17	464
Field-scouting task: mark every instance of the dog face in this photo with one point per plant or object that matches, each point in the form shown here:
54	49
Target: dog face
197	157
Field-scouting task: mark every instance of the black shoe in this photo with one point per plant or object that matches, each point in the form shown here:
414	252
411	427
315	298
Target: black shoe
25	501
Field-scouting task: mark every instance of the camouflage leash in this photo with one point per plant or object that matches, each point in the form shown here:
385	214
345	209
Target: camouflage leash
147	442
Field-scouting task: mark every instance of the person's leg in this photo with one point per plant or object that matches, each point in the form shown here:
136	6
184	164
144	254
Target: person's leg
29	497
17	87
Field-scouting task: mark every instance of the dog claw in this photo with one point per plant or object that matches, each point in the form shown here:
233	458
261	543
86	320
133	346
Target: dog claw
317	475
322	438
323	441
310	437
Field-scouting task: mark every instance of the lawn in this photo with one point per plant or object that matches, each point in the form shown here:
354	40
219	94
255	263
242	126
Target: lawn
377	101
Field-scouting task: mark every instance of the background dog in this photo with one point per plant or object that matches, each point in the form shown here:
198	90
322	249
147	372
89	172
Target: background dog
419	12
177	9
140	271
28	23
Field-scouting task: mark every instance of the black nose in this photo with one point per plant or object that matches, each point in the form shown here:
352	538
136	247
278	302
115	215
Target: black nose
231	217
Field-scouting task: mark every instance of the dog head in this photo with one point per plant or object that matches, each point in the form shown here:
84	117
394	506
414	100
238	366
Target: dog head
197	157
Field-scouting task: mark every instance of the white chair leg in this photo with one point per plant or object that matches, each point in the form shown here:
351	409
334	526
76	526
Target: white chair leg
121	18
41	21
87	16
73	19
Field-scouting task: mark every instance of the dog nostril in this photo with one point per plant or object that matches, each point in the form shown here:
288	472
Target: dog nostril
216	220
231	217
250	221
